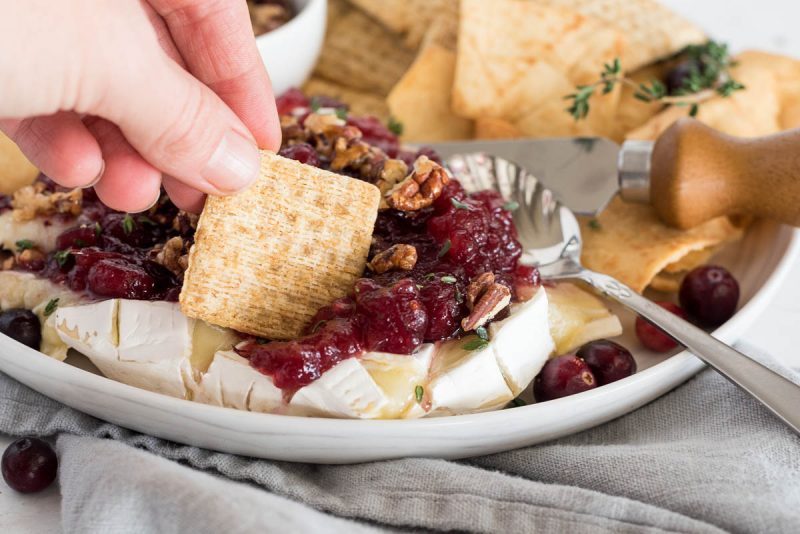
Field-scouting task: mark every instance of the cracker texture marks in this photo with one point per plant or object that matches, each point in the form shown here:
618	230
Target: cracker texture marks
265	260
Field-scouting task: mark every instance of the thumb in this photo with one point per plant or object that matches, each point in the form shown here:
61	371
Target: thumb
182	127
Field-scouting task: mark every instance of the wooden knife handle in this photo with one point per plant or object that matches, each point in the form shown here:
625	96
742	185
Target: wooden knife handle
698	173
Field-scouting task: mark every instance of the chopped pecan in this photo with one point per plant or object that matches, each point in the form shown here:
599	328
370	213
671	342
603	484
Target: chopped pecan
320	123
174	255
34	200
485	298
349	154
185	222
402	257
420	188
31	258
392	172
292	131
325	141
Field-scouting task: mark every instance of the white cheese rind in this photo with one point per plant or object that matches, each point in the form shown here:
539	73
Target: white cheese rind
345	390
522	342
398	375
231	382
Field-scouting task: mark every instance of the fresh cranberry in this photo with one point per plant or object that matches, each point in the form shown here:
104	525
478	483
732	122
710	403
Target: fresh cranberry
23	326
393	318
290	100
653	337
78	263
562	376
607	360
118	279
294	364
29	465
302	152
78	237
709	295
526	282
377	134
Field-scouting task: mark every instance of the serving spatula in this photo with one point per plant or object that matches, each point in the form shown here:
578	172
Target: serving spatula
691	174
551	239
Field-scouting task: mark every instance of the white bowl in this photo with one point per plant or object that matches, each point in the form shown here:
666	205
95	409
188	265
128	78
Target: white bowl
290	51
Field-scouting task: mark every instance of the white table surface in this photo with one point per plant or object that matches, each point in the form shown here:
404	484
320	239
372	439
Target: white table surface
768	25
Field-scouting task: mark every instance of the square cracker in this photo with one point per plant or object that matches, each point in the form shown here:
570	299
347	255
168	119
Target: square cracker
266	259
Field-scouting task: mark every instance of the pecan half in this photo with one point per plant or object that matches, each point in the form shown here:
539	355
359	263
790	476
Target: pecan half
485	298
292	131
402	257
33	200
174	255
350	154
393	171
420	188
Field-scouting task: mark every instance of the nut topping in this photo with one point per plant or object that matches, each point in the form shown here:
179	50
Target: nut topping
402	257
320	123
173	255
485	298
349	153
420	188
33	200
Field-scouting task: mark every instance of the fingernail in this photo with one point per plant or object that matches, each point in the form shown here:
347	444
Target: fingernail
234	164
153	203
99	175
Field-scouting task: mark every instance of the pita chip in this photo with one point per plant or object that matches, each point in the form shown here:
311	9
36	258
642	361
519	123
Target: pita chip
359	102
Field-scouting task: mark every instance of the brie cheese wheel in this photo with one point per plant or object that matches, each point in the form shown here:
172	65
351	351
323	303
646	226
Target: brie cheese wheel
151	345
578	317
42	235
231	382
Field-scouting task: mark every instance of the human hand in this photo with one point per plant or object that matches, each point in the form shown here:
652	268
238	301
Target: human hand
131	94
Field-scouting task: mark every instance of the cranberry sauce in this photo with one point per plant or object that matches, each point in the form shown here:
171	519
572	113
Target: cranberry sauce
110	254
456	239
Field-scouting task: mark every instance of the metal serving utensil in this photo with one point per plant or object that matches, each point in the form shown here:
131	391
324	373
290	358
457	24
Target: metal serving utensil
551	239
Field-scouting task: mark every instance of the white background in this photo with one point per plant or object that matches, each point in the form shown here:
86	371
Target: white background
765	24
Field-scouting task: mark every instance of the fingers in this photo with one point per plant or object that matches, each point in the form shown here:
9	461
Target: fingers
128	183
184	196
216	40
60	146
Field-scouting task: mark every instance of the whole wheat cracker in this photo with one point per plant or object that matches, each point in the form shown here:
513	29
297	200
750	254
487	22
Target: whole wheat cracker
266	259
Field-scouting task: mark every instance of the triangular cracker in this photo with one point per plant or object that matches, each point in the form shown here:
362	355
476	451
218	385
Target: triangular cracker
266	259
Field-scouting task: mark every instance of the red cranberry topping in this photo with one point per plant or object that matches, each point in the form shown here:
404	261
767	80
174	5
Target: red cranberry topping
78	237
653	337
526	281
563	376
29	465
294	364
709	295
117	279
302	152
607	360
291	100
393	318
133	230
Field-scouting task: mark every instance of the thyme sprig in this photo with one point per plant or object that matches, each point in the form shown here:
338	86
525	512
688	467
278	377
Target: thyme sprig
707	76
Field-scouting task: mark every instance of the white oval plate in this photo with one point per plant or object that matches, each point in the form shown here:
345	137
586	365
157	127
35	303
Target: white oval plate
759	262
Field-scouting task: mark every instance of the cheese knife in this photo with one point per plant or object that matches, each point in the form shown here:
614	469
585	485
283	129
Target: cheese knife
690	174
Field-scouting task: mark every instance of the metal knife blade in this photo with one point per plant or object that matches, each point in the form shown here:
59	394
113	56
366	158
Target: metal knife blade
583	172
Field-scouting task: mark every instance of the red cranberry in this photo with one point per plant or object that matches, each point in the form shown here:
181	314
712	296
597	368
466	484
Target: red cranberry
442	295
115	278
290	100
608	361
526	282
653	337
294	364
134	230
562	376
23	326
709	295
393	318
342	308
29	465
78	237
302	152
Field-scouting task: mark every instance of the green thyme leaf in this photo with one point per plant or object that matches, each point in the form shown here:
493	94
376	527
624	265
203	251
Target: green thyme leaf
511	205
341	113
144	219
430	276
80	243
693	110
594	224
61	257
475	344
518	402
51	307
315	104
128	224
449	279
24	244
482	333
445	248
395	126
459	297
97	229
460	205
419	392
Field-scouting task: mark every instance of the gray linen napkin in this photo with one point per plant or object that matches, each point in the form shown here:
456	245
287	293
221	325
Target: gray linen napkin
704	458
